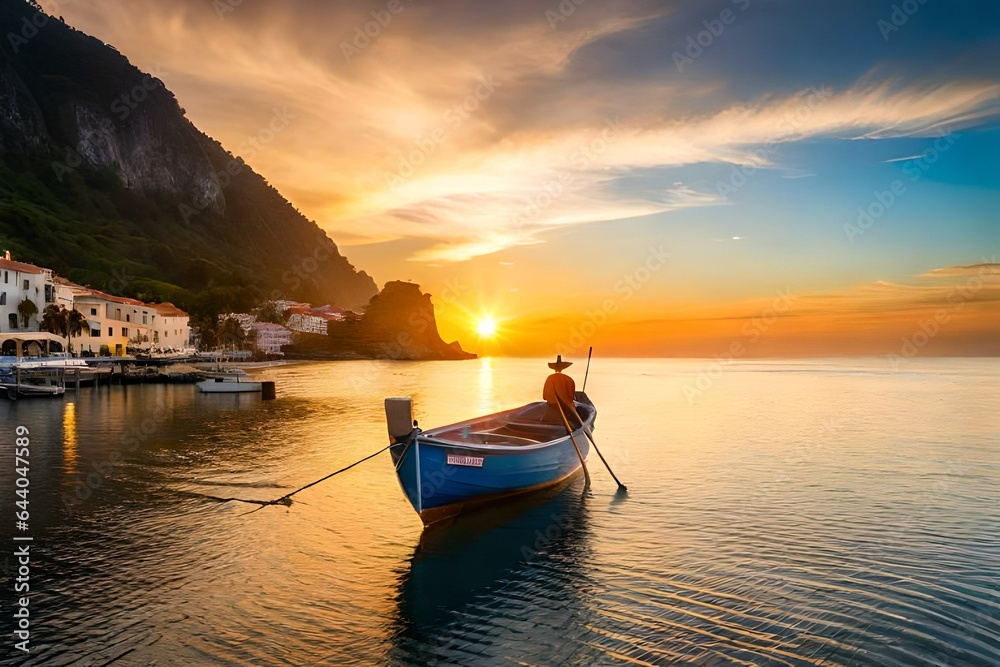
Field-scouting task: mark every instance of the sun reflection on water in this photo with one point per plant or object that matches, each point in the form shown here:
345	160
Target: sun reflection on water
487	394
69	437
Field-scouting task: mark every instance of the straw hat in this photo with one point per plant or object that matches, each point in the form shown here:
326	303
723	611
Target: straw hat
559	364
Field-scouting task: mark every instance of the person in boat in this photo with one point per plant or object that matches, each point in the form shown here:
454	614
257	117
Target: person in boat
560	390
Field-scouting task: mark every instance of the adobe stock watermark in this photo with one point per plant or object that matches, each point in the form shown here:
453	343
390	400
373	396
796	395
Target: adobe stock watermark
697	43
740	174
900	15
30	27
129	101
751	332
425	145
397	349
122	107
223	7
366	35
562	12
929	328
306	267
423	320
582	158
627	287
883	200
129	442
119	280
248	150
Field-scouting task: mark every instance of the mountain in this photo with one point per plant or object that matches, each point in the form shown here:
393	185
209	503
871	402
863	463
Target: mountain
104	179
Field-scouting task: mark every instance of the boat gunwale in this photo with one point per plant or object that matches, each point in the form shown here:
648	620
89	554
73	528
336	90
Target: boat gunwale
431	440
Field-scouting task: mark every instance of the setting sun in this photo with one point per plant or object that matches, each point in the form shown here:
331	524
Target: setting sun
487	327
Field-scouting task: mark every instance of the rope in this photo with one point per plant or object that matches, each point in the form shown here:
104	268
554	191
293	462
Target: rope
286	499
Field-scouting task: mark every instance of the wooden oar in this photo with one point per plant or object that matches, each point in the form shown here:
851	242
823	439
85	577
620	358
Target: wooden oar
591	435
615	477
586	473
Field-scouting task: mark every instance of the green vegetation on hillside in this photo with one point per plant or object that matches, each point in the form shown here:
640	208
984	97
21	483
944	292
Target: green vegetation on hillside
131	198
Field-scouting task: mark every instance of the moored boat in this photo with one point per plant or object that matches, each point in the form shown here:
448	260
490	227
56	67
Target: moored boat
229	383
16	384
446	470
26	389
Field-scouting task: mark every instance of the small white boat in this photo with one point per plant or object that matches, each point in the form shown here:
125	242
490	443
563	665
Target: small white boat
232	383
30	386
53	362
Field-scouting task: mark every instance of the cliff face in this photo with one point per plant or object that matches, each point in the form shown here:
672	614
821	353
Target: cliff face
399	323
104	179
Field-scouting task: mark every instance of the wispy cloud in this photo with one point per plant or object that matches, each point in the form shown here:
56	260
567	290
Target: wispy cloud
468	201
902	159
396	144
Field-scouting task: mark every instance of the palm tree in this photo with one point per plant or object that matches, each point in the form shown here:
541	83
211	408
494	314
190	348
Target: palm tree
53	319
74	325
27	309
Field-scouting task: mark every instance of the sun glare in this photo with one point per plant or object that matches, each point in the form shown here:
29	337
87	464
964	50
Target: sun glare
487	327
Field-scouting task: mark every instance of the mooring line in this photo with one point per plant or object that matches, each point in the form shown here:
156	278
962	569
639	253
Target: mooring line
286	499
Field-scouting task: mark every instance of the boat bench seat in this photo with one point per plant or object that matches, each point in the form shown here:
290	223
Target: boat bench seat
539	432
502	437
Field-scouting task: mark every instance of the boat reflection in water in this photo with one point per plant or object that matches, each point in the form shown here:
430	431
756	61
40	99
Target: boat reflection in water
516	567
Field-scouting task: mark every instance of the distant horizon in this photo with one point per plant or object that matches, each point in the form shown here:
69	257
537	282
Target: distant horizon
577	360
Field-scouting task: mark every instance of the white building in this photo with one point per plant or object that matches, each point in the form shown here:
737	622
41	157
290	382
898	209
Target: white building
283	304
311	322
245	320
171	328
65	292
110	320
270	337
20	281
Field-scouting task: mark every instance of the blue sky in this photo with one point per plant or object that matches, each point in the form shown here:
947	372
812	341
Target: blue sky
830	103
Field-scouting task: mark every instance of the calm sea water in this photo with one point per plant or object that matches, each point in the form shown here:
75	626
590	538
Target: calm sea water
790	513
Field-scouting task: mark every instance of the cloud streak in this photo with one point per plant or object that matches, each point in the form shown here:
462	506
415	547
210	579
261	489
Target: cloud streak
560	141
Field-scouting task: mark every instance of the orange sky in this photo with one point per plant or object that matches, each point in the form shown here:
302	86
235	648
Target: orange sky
953	311
570	176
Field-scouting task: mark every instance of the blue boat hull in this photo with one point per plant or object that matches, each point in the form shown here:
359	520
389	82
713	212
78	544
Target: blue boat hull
442	479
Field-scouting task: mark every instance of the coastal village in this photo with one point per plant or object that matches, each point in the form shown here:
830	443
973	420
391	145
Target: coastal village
42	313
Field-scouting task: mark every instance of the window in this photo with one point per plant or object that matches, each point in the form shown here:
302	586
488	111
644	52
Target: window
3	298
144	318
118	313
124	332
128	318
12	321
111	332
93	311
6	276
27	284
95	333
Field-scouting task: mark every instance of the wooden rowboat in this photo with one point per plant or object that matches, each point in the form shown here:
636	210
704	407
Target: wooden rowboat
447	470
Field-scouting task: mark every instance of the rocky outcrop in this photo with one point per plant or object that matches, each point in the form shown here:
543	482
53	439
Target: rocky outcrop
399	323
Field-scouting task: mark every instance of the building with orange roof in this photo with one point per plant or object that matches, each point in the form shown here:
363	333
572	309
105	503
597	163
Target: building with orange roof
121	323
117	322
20	281
171	328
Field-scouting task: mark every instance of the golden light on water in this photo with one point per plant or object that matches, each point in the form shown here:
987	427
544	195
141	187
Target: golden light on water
69	436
